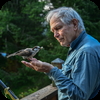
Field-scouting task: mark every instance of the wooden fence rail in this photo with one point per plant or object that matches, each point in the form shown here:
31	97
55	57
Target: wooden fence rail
47	93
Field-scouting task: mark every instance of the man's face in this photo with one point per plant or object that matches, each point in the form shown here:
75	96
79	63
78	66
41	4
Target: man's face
65	34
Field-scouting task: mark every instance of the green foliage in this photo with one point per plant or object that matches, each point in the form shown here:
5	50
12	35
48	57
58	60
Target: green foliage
29	91
21	28
25	81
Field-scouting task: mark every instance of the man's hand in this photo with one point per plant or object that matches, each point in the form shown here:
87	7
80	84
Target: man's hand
38	65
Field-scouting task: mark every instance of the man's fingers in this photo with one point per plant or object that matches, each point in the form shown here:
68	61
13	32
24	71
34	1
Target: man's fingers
27	64
24	62
36	63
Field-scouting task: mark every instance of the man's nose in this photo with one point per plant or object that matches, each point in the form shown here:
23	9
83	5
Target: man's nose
56	34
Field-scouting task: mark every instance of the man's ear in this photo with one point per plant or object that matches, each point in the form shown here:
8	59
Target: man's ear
75	23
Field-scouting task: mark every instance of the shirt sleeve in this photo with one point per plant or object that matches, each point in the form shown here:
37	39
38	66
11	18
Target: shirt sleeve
84	77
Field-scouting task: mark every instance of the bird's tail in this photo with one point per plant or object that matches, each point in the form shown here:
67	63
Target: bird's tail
10	55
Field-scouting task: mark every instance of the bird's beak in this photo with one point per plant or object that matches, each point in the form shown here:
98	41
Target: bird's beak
41	48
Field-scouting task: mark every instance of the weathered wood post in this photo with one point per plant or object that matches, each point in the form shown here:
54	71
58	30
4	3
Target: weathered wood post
58	63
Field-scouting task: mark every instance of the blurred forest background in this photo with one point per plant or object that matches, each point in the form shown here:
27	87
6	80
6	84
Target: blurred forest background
22	25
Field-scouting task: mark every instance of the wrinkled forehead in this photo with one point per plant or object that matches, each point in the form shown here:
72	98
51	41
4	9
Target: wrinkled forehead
54	22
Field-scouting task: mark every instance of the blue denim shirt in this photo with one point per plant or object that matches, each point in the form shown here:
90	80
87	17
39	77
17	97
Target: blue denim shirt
79	78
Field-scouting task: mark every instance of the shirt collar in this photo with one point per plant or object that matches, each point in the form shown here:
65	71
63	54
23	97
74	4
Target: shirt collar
77	41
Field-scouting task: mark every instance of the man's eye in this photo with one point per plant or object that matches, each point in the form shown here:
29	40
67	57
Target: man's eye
58	28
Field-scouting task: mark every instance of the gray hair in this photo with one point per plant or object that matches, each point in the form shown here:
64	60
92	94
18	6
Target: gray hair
66	14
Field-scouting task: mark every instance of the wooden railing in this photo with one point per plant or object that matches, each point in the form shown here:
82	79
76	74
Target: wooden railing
47	93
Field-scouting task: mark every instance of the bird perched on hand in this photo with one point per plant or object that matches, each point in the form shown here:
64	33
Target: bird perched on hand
26	53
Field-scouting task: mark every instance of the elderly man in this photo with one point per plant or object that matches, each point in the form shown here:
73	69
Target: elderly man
79	78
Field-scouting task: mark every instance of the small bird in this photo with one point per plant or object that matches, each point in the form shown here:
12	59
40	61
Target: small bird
27	53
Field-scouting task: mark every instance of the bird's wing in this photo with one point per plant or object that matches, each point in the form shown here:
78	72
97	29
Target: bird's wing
22	52
15	53
25	52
